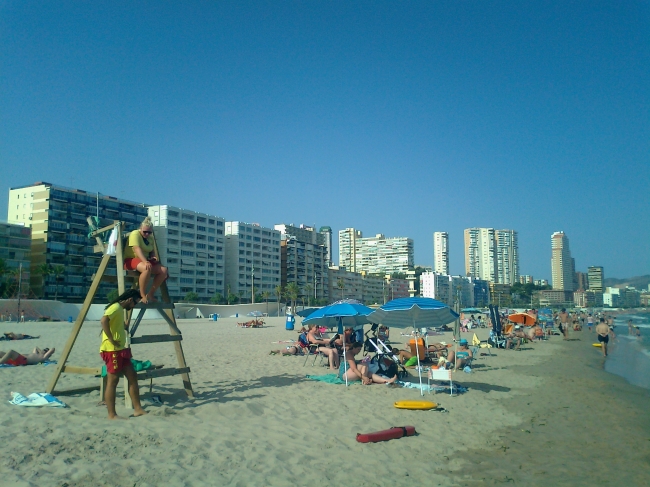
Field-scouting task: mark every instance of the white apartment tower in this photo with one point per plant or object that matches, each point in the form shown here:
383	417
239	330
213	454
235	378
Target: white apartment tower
348	239
507	256
192	246
381	255
480	254
441	253
562	265
252	256
595	277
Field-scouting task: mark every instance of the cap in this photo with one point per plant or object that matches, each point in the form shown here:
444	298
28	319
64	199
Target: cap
463	341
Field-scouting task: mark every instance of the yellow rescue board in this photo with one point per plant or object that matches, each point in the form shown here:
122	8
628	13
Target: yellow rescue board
597	344
421	405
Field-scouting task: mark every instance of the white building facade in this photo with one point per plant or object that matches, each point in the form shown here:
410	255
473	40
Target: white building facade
441	252
192	247
562	265
252	256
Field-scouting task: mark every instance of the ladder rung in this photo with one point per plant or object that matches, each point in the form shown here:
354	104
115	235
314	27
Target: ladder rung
157	305
153	373
156	338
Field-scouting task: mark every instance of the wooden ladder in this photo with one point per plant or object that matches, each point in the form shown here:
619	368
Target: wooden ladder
165	309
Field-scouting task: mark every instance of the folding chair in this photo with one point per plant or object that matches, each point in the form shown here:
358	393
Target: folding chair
440	374
313	349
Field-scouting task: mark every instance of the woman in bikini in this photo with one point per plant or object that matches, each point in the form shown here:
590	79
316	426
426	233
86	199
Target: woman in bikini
36	357
139	256
314	337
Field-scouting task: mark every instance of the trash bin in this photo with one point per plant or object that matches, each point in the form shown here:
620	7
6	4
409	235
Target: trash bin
215	317
69	319
290	322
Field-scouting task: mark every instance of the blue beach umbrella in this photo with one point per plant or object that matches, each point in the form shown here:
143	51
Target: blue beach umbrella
415	312
340	315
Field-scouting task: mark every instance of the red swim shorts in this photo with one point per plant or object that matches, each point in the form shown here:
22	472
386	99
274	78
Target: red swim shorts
20	360
115	361
131	264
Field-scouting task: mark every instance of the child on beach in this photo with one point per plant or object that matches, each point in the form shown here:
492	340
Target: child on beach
115	354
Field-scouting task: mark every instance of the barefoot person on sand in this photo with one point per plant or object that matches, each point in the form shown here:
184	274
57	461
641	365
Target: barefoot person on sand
603	331
139	256
115	354
36	357
564	323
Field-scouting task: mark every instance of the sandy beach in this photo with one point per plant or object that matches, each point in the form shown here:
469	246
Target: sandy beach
548	415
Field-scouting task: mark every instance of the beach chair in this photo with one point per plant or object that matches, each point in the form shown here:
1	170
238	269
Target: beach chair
310	349
440	375
478	344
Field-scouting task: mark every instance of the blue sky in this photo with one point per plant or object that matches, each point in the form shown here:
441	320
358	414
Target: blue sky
401	118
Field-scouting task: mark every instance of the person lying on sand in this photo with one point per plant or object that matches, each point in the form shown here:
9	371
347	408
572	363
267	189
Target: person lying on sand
354	372
36	357
18	336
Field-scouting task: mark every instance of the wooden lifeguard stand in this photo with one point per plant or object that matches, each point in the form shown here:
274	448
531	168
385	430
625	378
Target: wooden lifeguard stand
165	308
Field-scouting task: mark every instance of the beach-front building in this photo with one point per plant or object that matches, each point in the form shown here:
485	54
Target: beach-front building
492	255
595	278
562	264
15	251
348	239
304	260
441	252
447	289
57	217
192	246
375	255
253	264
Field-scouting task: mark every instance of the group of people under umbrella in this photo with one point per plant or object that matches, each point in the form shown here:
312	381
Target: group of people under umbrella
398	313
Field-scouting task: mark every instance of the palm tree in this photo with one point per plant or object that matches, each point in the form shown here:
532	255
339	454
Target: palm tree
292	293
240	294
265	296
44	270
57	271
278	293
308	290
340	284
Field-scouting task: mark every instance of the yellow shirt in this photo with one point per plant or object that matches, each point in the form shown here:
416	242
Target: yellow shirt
115	315
136	240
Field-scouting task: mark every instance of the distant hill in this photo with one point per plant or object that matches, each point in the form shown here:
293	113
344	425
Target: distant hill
639	282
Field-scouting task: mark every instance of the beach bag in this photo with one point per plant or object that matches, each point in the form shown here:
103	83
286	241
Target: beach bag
302	340
111	247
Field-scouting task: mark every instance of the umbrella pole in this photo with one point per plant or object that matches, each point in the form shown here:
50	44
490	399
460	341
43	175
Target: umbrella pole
345	361
417	352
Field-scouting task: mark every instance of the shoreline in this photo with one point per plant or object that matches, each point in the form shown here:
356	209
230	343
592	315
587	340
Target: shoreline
257	420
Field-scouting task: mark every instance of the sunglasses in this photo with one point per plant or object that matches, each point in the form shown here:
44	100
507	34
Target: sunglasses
147	232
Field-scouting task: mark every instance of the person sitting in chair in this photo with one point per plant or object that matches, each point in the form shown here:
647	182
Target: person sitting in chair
139	256
314	337
36	357
462	357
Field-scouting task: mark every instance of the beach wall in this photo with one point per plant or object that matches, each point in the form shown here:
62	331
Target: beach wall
49	310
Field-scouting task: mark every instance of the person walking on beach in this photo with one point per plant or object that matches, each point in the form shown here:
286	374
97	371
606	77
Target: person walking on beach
115	354
590	321
564	323
630	328
604	331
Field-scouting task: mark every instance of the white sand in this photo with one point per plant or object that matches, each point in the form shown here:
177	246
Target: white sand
256	420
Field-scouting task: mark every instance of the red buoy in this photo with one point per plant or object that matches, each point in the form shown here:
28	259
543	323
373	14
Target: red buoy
389	434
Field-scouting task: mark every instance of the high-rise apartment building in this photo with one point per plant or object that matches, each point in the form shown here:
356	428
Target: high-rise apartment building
441	252
192	247
252	256
595	278
562	265
381	255
447	289
507	256
581	281
348	239
57	217
304	259
480	254
15	250
327	232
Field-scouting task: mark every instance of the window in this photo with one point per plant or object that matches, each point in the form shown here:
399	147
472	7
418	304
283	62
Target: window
200	228
186	280
210	230
172	223
211	221
210	239
200	245
210	264
187	271
200	219
187	253
210	247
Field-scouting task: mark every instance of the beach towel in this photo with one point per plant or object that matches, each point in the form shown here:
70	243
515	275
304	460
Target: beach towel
36	399
327	378
433	388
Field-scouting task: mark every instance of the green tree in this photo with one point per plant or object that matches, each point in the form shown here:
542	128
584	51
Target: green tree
44	270
216	299
112	295
241	295
57	271
340	284
279	292
292	293
231	298
265	296
309	289
191	297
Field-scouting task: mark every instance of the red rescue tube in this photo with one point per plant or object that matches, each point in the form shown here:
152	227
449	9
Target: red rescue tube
390	434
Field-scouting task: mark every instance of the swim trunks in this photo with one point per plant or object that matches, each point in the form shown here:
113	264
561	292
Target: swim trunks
18	361
131	264
604	339
115	361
